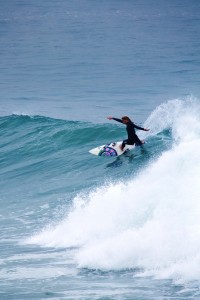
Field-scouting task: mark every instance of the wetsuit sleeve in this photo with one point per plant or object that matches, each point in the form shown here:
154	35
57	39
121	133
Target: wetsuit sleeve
138	127
118	120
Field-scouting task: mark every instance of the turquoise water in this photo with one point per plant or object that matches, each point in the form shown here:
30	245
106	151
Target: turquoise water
76	226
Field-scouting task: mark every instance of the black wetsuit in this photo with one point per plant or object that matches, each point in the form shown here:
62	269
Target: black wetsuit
132	136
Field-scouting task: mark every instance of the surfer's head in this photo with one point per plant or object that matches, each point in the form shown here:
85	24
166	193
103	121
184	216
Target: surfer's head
126	119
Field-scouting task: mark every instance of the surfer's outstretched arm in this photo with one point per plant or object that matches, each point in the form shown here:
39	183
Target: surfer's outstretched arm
128	122
116	119
140	128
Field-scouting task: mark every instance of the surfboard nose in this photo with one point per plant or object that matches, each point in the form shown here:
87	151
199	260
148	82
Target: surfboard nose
92	151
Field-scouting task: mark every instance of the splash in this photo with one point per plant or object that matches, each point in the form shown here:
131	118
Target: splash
180	116
151	222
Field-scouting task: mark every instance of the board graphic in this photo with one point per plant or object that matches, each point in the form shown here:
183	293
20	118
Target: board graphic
112	149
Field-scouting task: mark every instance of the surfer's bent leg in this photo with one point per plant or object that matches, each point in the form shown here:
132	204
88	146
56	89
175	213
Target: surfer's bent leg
138	142
123	144
133	141
126	142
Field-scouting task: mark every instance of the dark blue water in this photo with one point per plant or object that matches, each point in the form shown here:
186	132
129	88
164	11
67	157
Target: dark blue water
84	59
76	226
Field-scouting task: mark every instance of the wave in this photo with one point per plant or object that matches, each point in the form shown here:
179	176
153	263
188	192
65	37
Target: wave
48	134
52	155
28	140
55	129
24	137
151	221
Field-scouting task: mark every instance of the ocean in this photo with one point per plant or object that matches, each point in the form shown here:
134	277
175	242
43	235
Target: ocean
78	226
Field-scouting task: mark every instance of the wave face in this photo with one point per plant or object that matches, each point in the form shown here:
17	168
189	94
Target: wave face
148	220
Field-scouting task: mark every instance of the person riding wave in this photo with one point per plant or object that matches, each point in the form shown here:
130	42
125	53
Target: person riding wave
130	127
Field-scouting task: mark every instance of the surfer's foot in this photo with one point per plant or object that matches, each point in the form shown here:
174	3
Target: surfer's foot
143	142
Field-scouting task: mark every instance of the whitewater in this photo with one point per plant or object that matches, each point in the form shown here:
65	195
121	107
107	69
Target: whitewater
147	221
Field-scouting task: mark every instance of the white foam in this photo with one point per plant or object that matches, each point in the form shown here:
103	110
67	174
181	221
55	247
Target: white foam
151	222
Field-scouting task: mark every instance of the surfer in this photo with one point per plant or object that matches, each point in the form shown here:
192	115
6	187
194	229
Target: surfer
130	127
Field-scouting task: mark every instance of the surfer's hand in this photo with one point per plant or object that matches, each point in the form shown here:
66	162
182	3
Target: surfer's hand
145	129
109	118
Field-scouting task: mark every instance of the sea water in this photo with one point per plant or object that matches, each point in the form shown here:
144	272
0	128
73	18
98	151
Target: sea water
77	226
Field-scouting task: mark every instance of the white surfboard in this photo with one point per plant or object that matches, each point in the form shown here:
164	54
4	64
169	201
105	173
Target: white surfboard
112	149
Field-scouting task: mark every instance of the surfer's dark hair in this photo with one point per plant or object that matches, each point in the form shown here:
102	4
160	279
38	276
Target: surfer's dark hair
126	119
